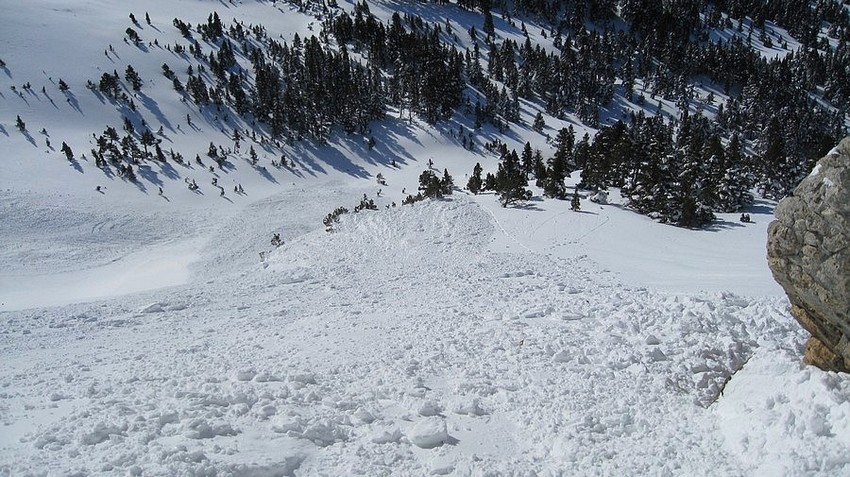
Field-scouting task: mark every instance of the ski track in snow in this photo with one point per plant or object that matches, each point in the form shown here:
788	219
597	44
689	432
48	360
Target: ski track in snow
402	344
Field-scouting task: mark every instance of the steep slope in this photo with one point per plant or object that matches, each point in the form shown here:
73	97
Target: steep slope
407	343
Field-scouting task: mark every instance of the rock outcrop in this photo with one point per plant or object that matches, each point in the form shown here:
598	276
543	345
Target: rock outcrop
808	251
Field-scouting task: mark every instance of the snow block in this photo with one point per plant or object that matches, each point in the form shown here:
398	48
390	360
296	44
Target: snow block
429	433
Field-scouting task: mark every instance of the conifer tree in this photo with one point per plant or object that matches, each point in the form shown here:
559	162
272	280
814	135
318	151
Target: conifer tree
475	183
430	185
539	122
148	139
527	159
489	182
559	165
733	189
575	203
67	151
511	180
489	28
446	183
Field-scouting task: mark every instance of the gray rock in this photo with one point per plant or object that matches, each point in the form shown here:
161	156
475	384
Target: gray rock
808	250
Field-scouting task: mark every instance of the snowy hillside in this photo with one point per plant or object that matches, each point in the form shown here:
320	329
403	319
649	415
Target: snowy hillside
150	333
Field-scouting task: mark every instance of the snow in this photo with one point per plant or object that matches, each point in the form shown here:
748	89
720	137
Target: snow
429	432
142	334
155	267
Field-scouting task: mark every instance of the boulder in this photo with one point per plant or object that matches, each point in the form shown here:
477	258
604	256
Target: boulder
808	250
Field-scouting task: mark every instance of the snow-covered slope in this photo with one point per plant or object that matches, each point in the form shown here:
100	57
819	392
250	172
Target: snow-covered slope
140	333
408	342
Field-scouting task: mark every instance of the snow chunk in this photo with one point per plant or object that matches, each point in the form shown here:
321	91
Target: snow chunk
657	355
286	468
303	378
324	433
429	433
57	397
266	377
152	308
391	436
562	356
102	433
429	409
600	197
201	429
652	340
291	425
245	374
364	416
470	408
442	465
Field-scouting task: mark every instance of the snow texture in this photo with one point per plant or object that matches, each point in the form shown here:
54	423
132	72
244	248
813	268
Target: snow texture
142	335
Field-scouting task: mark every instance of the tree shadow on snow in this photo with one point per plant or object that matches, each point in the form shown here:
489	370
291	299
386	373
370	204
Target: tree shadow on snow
722	224
29	138
387	145
72	101
264	173
150	175
524	206
309	155
151	105
760	207
168	170
76	165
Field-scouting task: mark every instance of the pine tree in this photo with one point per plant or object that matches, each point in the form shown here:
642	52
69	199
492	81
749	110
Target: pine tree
67	150
511	180
430	185
527	159
446	183
733	189
19	123
109	84
774	179
365	204
148	139
489	182
133	35
474	184
559	165
539	122
575	203
489	28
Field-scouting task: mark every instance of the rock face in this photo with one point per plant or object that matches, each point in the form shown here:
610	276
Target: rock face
808	250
